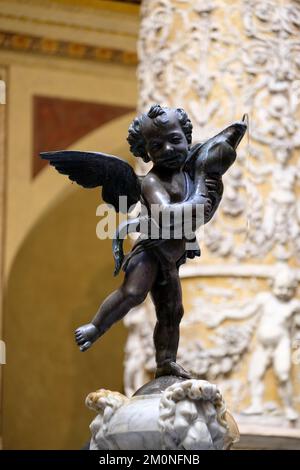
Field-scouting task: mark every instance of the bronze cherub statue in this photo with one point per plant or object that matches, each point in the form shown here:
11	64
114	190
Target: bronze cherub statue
182	177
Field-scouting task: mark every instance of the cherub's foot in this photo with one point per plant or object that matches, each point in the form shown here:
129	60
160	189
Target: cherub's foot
253	410
291	414
86	335
171	368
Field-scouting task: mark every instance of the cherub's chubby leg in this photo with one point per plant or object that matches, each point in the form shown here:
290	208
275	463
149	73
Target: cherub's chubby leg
139	278
258	366
282	366
167	298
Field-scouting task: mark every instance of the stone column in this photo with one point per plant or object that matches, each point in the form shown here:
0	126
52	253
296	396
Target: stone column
219	59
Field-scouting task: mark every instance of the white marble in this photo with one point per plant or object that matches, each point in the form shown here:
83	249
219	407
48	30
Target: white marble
188	415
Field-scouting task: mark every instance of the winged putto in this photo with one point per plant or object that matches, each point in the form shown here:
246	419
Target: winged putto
181	192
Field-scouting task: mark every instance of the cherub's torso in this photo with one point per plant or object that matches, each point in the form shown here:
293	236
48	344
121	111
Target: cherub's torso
175	187
275	319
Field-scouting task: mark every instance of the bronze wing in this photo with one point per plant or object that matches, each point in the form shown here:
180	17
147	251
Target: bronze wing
92	169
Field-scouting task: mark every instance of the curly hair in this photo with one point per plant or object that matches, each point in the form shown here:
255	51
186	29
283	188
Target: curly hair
159	117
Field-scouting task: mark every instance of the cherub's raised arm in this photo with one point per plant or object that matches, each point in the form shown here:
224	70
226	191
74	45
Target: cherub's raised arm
214	319
249	309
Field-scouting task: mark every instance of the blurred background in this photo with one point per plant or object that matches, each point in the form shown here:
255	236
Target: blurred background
70	74
73	75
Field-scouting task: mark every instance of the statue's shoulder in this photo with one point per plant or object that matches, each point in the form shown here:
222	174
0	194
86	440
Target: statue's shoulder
150	181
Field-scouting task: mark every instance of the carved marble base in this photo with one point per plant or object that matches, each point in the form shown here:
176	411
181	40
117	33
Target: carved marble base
167	413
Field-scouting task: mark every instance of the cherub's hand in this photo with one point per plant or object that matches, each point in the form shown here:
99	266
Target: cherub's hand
207	208
197	219
214	184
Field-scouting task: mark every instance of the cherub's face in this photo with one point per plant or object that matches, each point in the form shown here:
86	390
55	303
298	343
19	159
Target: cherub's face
166	143
284	291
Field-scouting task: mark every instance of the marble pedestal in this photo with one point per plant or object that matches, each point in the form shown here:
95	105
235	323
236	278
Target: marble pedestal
167	413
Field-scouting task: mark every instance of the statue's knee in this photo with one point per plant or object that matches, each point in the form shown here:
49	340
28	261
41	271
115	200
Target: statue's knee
135	296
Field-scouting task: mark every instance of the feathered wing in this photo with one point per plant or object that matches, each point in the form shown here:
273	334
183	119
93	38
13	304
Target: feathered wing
92	169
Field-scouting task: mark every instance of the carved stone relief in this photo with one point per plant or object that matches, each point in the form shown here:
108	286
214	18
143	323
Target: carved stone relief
218	60
188	415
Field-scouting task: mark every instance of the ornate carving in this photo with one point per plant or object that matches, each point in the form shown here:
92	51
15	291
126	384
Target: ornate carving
216	58
179	406
230	345
268	327
188	415
189	57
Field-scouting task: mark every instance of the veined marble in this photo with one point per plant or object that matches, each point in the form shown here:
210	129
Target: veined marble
187	415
